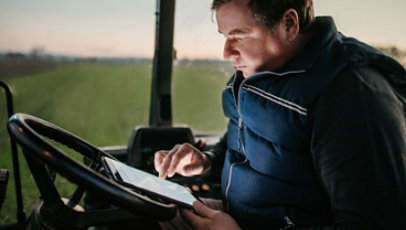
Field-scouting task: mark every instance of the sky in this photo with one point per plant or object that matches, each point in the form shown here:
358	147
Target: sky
126	28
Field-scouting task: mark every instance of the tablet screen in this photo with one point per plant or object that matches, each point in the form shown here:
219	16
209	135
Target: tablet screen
132	177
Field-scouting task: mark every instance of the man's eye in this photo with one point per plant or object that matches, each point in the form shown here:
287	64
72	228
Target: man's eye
240	38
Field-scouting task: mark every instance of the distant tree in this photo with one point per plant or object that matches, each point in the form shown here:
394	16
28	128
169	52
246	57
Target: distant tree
392	51
14	55
37	51
395	52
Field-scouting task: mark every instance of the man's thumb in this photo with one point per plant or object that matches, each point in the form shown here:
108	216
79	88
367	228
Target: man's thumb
201	209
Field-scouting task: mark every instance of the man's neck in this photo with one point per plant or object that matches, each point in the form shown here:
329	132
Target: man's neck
300	43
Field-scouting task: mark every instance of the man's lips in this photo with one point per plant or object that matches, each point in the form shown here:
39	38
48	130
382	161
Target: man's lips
239	66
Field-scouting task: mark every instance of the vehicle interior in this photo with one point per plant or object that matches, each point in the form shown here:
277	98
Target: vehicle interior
96	201
53	134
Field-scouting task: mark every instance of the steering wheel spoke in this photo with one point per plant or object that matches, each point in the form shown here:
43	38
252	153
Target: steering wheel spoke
76	197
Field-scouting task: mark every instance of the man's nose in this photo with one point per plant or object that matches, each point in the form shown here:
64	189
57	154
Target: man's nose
229	51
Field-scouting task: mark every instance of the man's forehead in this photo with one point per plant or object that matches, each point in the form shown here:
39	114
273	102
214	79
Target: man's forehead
234	18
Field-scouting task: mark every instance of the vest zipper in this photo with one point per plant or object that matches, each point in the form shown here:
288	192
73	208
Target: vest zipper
240	140
229	181
241	135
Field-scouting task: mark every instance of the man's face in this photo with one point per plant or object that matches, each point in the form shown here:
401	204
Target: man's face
249	44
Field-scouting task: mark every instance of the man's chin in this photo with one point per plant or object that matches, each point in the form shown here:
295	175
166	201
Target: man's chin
247	74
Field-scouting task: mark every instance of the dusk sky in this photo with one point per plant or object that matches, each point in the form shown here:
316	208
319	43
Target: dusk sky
125	28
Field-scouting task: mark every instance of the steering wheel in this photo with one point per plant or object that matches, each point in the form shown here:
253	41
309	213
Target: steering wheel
41	155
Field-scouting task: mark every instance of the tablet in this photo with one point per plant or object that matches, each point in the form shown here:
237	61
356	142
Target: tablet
148	183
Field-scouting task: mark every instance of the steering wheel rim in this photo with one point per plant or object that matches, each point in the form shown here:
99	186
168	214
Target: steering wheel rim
27	131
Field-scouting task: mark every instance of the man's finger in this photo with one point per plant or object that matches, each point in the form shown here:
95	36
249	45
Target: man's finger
192	169
158	158
202	210
189	217
163	170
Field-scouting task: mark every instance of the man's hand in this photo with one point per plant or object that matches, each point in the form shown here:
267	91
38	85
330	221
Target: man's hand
204	217
183	159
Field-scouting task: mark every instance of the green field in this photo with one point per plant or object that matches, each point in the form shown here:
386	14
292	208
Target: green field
102	102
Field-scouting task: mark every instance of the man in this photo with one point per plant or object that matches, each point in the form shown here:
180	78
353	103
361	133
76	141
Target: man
317	130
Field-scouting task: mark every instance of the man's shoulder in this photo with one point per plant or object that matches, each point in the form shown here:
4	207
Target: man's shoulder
356	84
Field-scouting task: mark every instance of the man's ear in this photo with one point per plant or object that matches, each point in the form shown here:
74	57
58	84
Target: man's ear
290	22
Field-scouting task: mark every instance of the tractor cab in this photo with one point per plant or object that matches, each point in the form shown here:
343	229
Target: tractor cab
83	81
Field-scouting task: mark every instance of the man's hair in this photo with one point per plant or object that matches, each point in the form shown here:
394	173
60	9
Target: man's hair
270	12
